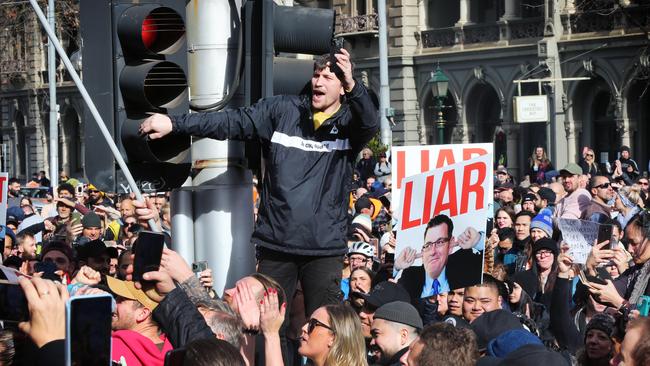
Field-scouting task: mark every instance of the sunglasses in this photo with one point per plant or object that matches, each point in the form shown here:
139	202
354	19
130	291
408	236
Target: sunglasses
93	191
590	155
313	323
603	186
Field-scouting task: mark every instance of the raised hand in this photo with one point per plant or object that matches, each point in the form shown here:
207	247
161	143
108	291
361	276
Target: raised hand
46	303
247	306
271	313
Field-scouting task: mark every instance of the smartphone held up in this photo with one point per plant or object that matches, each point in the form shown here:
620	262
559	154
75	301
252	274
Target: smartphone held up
148	252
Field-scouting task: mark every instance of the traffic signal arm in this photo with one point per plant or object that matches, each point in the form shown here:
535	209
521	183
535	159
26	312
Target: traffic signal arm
365	119
244	124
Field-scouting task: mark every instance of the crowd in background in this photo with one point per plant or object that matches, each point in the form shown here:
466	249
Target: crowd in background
532	308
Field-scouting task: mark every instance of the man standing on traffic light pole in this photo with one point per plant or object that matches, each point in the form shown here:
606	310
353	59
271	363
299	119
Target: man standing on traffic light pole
309	143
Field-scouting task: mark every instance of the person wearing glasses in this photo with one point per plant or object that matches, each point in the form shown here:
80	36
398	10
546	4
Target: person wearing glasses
588	163
602	193
96	197
332	337
539	280
447	262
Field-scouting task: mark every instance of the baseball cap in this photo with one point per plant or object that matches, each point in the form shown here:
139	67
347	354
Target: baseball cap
546	194
571	169
529	197
15	215
385	292
505	186
128	290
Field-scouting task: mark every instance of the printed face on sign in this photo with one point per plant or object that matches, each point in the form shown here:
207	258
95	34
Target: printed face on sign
436	249
443	215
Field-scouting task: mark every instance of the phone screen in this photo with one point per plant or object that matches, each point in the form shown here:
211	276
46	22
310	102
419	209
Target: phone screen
13	304
148	251
389	258
49	270
200	266
375	244
88	330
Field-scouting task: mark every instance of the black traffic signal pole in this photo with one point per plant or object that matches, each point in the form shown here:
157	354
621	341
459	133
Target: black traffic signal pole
91	106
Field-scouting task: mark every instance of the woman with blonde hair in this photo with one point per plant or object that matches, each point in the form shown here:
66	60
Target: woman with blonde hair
628	203
333	337
588	163
539	164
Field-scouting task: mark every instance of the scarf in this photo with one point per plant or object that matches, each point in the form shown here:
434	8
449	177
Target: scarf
638	281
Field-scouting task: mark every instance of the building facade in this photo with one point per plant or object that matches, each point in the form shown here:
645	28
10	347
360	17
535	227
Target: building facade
482	46
24	97
485	46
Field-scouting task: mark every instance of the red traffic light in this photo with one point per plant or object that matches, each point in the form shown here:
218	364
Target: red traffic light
150	30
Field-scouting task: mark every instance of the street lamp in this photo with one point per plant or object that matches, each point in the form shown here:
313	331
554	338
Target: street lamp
439	83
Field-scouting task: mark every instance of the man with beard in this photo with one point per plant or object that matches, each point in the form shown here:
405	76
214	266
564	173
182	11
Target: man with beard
577	199
26	245
137	339
395	326
13	192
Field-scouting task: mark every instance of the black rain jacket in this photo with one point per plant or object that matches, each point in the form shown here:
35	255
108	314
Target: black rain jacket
304	200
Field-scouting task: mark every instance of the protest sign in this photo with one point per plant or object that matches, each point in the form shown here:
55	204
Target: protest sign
579	235
4	178
410	160
461	194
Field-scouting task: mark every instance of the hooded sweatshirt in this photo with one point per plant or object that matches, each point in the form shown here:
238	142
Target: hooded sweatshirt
137	349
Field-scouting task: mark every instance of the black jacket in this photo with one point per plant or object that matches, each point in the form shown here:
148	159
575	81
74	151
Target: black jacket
180	320
304	199
463	269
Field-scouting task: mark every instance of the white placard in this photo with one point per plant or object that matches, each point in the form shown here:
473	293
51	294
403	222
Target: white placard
411	160
580	236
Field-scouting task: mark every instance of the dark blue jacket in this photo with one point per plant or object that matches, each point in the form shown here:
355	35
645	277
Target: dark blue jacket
304	199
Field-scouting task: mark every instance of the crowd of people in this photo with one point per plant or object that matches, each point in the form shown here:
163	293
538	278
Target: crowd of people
329	288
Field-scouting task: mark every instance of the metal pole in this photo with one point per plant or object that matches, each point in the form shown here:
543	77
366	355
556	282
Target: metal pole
384	88
51	77
91	106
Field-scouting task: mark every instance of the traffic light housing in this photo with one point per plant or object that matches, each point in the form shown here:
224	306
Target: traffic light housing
269	30
272	29
144	73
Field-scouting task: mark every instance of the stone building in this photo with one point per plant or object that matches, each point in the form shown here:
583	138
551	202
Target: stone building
483	46
24	97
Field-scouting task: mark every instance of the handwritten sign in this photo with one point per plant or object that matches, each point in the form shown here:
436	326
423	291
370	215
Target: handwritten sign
580	236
